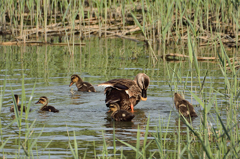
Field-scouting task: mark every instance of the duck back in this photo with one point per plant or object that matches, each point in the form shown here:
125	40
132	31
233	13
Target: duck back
50	109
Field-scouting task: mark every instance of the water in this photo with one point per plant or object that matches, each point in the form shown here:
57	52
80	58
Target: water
50	68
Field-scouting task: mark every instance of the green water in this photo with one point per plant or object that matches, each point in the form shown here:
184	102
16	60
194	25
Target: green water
51	67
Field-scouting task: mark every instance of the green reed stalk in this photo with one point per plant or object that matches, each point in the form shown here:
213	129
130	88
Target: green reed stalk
144	149
74	152
21	11
123	13
45	20
36	16
3	90
143	31
105	15
179	137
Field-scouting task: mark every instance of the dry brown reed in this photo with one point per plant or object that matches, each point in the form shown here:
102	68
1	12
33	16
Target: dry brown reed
157	21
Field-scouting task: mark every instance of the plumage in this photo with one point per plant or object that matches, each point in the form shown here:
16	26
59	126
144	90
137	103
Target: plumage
44	100
125	92
120	115
183	106
82	86
18	105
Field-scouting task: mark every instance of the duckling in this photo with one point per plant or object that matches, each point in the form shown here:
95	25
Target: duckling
18	105
82	86
120	115
126	92
183	106
44	100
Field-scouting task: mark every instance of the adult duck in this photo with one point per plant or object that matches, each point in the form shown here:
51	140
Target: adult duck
126	92
44	100
82	86
18	105
183	106
118	114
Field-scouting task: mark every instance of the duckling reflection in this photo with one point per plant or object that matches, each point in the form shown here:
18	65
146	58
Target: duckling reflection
44	100
18	105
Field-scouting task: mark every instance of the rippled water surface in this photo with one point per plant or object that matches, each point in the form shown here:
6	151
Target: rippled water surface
50	68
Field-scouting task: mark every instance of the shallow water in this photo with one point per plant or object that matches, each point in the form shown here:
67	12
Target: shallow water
50	68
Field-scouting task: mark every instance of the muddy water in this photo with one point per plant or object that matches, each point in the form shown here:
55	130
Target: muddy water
50	68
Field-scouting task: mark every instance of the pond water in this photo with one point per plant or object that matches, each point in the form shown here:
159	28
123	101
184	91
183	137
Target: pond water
99	60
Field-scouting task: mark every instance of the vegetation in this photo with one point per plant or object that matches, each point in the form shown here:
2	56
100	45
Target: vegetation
213	23
158	21
214	138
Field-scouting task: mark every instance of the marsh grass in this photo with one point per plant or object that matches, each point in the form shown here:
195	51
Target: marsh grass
158	21
26	141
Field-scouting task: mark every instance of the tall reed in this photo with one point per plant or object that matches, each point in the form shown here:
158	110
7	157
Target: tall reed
159	21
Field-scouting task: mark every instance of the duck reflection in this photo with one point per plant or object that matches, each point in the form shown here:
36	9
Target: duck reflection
126	130
75	96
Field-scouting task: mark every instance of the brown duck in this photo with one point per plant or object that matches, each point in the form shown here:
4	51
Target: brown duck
183	106
120	115
18	105
44	100
125	92
82	86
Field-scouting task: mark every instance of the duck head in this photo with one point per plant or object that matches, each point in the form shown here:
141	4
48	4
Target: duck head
43	100
75	79
114	107
16	98
177	96
142	81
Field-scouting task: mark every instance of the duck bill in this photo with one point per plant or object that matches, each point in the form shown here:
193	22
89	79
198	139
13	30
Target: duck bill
144	95
132	107
143	99
70	84
37	102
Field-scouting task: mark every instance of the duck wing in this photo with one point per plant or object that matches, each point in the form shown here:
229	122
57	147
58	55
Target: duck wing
120	97
122	84
130	87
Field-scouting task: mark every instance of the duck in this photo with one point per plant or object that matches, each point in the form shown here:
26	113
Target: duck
44	100
184	107
18	105
82	86
126	92
119	114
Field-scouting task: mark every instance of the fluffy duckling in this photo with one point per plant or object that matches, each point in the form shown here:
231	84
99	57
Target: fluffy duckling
44	100
126	92
82	86
184	106
120	115
18	105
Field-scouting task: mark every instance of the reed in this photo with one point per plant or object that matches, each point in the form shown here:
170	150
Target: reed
162	22
26	140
